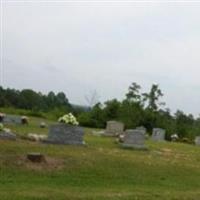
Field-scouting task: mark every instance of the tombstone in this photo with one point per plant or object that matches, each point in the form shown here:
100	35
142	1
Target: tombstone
114	128
197	140
11	119
134	138
7	135
142	128
158	134
65	134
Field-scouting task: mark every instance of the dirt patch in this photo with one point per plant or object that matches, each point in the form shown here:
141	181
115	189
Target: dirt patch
49	164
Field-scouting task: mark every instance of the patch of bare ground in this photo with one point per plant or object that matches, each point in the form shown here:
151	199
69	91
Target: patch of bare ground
48	164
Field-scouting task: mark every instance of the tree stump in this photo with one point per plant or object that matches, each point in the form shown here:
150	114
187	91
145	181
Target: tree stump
36	157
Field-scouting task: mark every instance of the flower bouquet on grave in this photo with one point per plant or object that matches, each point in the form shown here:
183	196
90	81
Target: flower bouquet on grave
68	119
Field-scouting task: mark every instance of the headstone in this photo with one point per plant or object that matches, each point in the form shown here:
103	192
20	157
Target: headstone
114	128
11	119
158	134
7	135
134	138
142	128
65	134
197	140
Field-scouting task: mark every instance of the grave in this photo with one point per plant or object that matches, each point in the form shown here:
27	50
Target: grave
134	138
197	140
142	128
7	135
158	134
114	128
11	119
65	134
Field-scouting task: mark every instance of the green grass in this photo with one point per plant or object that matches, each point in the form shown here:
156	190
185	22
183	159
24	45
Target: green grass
100	170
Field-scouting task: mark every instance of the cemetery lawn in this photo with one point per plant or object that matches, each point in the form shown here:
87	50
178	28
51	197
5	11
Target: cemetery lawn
101	170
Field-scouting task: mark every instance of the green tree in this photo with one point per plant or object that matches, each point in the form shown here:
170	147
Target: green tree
152	98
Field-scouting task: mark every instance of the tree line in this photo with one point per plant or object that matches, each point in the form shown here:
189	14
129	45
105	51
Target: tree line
136	109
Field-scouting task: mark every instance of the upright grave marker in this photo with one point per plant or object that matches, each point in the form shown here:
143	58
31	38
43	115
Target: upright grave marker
114	128
134	138
158	134
65	134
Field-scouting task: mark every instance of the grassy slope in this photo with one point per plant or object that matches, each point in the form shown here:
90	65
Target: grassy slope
100	170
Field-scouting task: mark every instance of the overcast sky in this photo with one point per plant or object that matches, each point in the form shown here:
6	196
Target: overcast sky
81	47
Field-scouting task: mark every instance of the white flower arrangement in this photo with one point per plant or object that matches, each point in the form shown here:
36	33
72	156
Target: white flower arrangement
68	119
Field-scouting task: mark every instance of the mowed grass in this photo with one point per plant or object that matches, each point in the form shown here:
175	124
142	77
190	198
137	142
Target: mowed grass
99	170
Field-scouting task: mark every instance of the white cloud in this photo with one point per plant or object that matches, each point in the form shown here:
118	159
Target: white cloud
77	49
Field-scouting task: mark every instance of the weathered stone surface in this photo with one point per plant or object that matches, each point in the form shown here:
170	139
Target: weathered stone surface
114	128
197	140
158	134
134	138
7	135
11	119
65	134
142	128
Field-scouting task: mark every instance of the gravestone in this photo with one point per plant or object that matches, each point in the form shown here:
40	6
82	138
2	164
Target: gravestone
158	134
142	128
11	119
134	138
197	140
7	135
114	128
65	134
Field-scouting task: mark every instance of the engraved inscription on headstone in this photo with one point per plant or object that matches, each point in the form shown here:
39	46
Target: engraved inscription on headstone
158	134
65	134
114	128
134	138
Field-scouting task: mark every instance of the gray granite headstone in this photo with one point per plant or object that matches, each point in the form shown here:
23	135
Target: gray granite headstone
197	140
142	128
114	128
134	138
7	135
158	134
65	134
11	119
